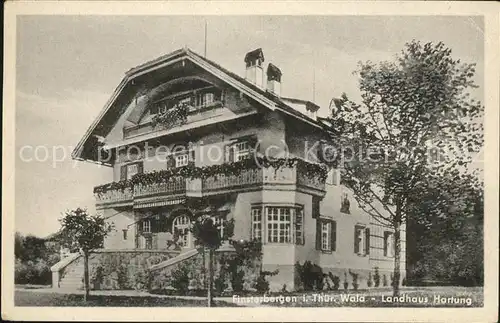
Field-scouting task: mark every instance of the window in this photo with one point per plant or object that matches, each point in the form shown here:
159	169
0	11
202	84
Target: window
361	240
186	100
180	228
181	160
326	235
128	171
257	224
125	234
345	206
146	226
389	244
278	225
326	241
241	150
219	224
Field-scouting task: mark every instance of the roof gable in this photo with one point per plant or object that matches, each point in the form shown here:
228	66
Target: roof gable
131	86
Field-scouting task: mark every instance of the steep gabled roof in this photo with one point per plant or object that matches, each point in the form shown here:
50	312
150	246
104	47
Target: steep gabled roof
127	89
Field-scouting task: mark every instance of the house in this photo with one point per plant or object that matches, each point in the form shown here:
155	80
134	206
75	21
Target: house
183	111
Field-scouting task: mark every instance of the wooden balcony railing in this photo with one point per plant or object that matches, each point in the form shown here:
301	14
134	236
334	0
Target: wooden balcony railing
294	176
172	187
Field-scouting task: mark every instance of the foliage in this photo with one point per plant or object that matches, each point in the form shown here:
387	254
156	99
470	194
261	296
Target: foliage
335	280
311	276
261	284
176	115
180	278
97	277
416	125
83	231
346	283
384	280
227	169
123	282
369	282
355	283
33	259
32	272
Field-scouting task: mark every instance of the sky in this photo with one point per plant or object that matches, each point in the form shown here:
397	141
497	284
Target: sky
68	66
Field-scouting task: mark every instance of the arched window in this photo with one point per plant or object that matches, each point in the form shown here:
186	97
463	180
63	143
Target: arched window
180	227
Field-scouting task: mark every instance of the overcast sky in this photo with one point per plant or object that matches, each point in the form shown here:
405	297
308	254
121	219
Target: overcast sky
68	66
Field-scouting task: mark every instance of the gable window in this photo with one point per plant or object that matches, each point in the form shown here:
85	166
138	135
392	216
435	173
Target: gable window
361	240
125	234
241	150
256	224
388	244
181	160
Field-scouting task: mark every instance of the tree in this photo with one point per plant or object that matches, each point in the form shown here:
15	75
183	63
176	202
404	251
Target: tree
207	235
416	124
86	232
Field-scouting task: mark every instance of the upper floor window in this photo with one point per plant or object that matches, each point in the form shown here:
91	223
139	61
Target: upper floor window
389	244
241	150
361	240
181	160
129	170
331	178
345	206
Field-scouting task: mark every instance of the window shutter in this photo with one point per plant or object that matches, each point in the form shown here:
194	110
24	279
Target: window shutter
334	235
140	167
229	153
123	173
385	243
367	241
191	157
356	241
318	234
170	161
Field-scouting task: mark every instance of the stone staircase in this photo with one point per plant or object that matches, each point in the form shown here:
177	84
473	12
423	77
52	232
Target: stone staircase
73	279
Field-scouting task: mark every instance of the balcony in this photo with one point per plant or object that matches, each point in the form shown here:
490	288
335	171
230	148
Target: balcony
295	177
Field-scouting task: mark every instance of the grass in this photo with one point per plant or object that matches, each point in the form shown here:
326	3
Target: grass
32	298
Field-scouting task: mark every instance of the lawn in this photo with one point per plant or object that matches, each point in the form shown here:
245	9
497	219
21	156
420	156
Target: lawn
32	298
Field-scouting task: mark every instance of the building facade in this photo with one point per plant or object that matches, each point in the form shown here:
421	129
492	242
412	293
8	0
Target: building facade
179	134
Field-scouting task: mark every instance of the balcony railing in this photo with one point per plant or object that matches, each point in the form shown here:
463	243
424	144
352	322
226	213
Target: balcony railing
293	177
172	187
245	178
114	196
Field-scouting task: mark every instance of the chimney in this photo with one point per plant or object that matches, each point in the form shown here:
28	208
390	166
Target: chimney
274	79
253	61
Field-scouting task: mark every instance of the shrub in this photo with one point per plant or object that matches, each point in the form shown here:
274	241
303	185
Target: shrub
384	280
354	276
180	279
376	277
261	284
97	277
237	280
122	274
32	272
404	281
311	276
369	283
335	280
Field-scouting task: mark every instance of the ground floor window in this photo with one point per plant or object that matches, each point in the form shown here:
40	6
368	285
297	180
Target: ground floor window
361	240
282	224
180	229
326	235
388	244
